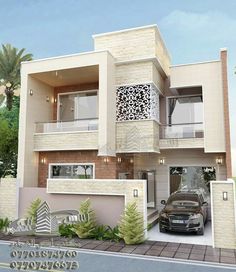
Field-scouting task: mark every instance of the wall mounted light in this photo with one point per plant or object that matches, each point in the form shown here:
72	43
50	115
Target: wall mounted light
161	161
131	160
219	160
135	192
105	159
43	160
55	100
31	92
225	196
47	98
119	159
8	84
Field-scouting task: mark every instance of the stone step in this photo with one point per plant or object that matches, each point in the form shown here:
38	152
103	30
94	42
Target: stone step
151	213
152	221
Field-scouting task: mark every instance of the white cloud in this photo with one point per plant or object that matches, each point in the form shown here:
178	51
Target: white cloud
213	25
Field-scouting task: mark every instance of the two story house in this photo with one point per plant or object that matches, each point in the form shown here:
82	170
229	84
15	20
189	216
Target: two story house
123	111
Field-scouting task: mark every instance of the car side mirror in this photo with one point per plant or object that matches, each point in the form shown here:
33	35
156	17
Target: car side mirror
204	203
163	202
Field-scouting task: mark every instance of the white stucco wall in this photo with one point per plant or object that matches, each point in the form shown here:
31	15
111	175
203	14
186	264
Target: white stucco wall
35	108
208	75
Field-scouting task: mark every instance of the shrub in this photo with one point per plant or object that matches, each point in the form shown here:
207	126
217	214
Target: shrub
32	211
66	230
86	228
4	224
99	232
131	228
112	234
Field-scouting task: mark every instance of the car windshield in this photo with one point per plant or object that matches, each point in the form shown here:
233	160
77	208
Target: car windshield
184	201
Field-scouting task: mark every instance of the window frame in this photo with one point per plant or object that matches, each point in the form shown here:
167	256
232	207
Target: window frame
72	164
76	92
179	96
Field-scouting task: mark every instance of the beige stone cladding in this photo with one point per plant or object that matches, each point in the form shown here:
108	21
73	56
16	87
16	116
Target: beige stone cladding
135	44
139	72
128	45
223	214
181	143
180	157
103	187
81	140
9	192
137	136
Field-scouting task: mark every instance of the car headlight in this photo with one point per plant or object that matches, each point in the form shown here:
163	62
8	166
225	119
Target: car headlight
195	216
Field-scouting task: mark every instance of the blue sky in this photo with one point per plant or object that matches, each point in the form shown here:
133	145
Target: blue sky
192	30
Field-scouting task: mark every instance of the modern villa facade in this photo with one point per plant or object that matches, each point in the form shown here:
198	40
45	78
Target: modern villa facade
123	111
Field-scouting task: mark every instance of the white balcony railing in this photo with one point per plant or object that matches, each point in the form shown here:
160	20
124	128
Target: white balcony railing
182	131
66	126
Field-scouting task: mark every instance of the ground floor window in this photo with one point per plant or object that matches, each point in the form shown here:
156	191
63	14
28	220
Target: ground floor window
72	171
191	177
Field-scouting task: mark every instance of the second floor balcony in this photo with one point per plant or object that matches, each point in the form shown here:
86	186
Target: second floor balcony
88	124
66	135
182	131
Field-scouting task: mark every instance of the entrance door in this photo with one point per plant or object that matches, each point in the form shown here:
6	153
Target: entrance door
151	187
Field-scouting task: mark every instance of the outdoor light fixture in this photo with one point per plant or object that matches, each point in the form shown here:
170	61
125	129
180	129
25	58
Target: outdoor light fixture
43	160
225	196
106	160
131	160
161	161
135	192
219	160
31	92
55	100
8	85
47	98
119	159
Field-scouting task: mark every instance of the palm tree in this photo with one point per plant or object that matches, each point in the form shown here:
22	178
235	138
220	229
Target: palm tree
10	62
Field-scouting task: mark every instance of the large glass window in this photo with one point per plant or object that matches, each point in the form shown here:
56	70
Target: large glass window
185	109
78	106
71	171
191	177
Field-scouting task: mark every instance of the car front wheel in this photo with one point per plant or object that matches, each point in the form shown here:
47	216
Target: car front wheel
200	231
162	230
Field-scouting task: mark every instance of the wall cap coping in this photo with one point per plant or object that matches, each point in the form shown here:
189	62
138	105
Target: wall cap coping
68	56
194	63
229	181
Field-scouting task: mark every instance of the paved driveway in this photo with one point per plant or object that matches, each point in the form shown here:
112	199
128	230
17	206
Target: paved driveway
189	238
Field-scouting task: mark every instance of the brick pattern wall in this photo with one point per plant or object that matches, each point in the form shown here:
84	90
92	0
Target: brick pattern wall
8	198
66	141
226	112
137	136
223	214
103	170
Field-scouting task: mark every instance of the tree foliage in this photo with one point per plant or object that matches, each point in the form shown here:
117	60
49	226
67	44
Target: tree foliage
131	228
85	229
9	122
10	64
32	211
